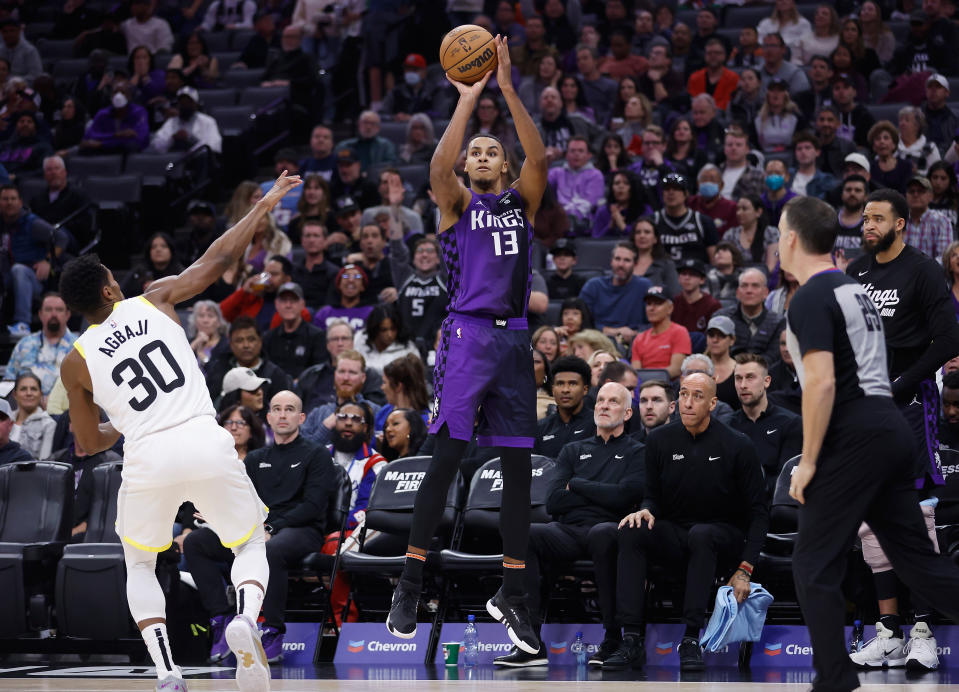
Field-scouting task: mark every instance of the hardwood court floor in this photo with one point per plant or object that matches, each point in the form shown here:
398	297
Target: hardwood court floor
114	685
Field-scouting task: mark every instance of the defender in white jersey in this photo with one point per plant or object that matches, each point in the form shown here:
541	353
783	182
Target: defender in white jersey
135	363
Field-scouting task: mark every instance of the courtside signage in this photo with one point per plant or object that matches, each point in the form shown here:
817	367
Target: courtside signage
371	642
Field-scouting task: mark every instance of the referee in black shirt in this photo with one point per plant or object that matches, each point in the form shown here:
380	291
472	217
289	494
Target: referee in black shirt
857	448
705	508
595	482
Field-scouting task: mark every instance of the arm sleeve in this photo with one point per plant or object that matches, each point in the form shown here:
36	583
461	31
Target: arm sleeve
754	494
681	343
234	304
249	12
46	445
601	222
316	493
13	365
559	500
934	297
313	428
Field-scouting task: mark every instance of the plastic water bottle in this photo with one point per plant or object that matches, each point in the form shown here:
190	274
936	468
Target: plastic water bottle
578	649
470	643
857	637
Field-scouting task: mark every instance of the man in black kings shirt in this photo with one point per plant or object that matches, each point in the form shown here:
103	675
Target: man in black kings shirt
921	334
920	326
683	232
704	509
573	420
857	448
594	483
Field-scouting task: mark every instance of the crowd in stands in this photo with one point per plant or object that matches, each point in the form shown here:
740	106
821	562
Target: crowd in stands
675	136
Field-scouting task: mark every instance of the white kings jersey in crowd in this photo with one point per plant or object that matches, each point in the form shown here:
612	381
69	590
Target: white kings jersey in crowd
144	373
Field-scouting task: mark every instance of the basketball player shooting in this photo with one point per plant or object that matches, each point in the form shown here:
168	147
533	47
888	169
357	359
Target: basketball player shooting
135	362
485	361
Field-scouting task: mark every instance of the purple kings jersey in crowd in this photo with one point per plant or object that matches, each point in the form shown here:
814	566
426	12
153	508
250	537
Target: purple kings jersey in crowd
488	255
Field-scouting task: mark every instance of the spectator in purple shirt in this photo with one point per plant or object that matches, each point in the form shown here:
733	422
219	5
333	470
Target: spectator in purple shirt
121	126
350	283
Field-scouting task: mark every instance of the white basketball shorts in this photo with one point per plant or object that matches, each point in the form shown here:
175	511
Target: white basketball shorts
195	462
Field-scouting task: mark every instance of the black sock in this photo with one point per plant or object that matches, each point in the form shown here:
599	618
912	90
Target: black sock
431	498
692	632
633	631
894	623
413	571
514	515
615	634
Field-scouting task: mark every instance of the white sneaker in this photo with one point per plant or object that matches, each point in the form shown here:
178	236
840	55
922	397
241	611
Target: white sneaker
252	671
920	650
882	651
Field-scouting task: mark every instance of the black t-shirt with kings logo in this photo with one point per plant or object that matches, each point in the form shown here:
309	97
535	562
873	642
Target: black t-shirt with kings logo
917	316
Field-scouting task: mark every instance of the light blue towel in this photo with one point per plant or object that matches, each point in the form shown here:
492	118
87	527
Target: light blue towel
732	623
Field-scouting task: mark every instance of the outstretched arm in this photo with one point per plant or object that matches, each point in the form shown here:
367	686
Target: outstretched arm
532	177
451	196
224	253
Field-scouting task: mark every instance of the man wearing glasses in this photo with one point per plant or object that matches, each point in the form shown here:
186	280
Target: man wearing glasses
651	167
349	379
295	479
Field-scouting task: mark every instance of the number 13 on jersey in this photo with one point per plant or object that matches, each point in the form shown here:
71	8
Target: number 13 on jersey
505	242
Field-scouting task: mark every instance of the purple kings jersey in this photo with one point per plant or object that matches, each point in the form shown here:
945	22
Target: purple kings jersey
488	255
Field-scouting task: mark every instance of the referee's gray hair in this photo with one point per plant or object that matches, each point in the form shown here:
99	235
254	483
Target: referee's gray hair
689	360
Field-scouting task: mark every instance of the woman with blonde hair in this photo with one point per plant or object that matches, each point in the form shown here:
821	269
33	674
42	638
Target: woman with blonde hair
637	116
950	265
582	344
420	140
875	33
245	195
598	360
546	341
823	38
778	119
787	22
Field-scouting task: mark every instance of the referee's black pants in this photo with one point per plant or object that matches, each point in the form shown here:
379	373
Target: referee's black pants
864	473
700	547
557	543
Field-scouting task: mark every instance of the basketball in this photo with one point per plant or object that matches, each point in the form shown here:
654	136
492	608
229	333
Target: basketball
467	53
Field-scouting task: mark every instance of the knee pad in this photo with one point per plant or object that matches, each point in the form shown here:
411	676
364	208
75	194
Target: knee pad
250	563
144	595
872	552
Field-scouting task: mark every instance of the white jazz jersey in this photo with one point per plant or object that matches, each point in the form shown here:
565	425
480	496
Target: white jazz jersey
144	373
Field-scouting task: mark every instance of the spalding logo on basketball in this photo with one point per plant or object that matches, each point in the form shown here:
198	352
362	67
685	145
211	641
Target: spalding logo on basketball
467	53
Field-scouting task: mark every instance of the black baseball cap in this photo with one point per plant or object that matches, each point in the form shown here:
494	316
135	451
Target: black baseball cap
290	287
200	206
693	265
346	205
564	246
675	180
657	293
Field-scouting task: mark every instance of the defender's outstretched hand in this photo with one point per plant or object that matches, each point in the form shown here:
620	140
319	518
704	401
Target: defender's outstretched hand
474	89
283	184
504	68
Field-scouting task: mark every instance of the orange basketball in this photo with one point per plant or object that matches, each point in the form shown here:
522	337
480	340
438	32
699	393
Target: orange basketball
467	53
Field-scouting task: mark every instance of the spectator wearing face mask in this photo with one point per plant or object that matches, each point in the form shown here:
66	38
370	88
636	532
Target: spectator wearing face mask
709	202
